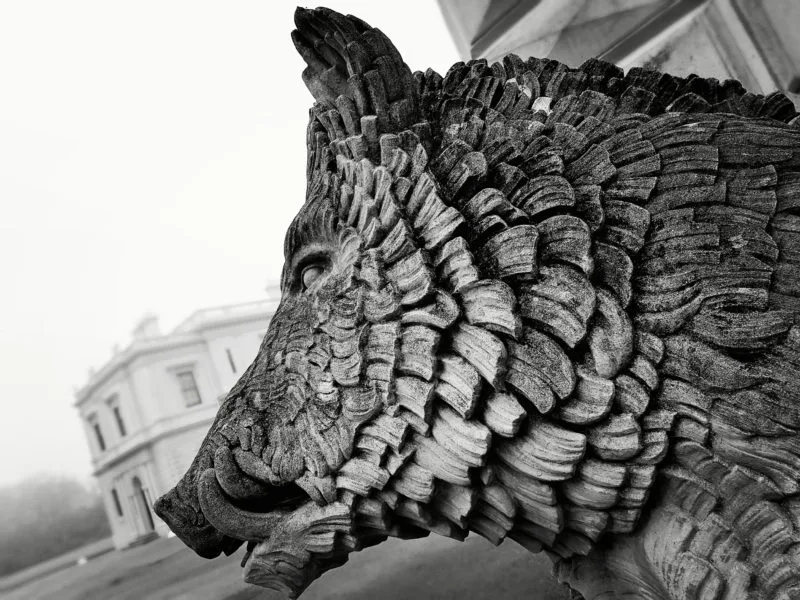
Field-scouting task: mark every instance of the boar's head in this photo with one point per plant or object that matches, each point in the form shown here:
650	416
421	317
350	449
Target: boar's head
482	329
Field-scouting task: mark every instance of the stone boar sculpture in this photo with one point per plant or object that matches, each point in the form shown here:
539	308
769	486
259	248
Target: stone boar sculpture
529	301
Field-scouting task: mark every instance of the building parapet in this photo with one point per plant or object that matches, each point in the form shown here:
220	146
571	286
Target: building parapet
223	315
147	436
187	332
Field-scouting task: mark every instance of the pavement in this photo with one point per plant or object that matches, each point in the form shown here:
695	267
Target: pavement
58	563
431	568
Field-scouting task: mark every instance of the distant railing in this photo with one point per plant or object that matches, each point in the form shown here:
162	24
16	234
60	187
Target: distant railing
206	315
195	321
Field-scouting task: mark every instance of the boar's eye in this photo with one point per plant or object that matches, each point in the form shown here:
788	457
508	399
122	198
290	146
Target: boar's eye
311	273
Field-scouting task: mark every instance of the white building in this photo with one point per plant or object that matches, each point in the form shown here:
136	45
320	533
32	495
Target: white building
754	41
146	411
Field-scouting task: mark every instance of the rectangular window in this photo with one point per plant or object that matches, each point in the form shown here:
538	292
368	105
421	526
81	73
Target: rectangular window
230	360
101	442
118	418
117	504
191	395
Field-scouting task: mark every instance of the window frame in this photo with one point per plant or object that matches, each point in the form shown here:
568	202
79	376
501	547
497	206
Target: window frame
180	373
116	411
99	438
117	503
231	362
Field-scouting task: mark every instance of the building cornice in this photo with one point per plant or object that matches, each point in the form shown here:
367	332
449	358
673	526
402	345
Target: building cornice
187	333
136	349
147	437
222	316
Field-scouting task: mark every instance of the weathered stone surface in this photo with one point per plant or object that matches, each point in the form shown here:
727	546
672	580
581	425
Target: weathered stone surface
529	301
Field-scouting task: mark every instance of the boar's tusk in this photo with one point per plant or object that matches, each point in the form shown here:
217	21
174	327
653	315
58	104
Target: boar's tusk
233	480
230	520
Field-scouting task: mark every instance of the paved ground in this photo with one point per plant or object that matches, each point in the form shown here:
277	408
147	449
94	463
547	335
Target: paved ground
58	563
433	568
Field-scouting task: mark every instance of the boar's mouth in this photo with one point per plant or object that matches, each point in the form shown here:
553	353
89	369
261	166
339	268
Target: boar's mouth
233	507
251	518
192	528
291	539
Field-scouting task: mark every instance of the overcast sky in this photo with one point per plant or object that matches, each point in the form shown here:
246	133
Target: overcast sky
152	154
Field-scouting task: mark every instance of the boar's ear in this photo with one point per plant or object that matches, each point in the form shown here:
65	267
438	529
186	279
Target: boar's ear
355	69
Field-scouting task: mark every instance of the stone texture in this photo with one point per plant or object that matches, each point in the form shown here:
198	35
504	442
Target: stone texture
556	305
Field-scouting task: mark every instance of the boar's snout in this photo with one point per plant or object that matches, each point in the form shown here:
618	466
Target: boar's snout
192	528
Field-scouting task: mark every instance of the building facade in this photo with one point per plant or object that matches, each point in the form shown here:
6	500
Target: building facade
147	410
754	41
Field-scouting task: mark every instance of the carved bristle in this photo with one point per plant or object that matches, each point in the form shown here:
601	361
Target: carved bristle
558	305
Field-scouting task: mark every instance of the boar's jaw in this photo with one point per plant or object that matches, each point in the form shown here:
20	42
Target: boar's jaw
303	544
204	539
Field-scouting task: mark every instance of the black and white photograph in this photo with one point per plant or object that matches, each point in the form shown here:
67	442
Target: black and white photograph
422	299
